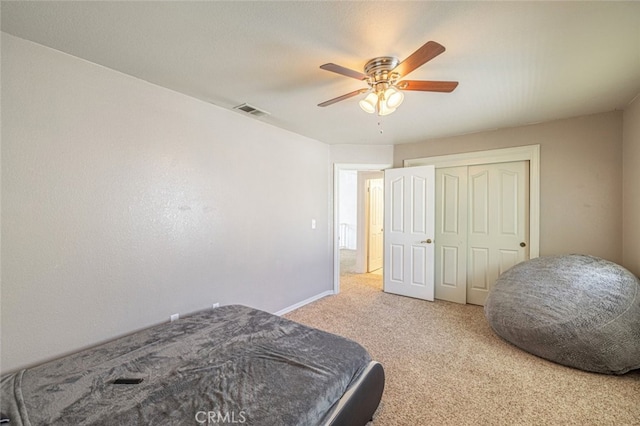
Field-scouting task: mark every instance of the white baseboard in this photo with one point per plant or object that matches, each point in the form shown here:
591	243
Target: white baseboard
304	302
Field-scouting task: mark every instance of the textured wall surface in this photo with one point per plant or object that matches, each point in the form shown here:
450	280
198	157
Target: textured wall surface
123	203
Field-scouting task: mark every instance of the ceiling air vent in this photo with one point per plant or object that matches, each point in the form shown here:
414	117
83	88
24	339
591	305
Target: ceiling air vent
251	110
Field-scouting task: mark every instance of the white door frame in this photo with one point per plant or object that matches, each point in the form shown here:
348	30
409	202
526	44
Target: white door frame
336	226
529	153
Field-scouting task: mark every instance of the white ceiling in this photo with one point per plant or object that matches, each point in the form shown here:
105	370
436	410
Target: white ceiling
517	62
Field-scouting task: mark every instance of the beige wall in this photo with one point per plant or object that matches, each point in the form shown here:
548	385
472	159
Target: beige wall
580	175
123	203
631	187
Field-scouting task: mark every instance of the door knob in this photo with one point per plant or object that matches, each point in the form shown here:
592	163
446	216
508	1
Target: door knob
523	244
427	241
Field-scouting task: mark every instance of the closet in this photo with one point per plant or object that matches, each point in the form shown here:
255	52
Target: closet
482	227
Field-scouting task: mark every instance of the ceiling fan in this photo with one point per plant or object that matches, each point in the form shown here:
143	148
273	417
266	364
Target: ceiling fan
383	76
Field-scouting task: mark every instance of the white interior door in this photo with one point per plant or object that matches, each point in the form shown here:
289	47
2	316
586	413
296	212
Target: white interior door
376	224
498	223
409	222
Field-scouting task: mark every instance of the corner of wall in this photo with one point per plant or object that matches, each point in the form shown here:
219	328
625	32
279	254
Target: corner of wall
630	187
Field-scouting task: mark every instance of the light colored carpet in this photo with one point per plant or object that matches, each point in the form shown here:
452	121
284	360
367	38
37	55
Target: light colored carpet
347	261
445	366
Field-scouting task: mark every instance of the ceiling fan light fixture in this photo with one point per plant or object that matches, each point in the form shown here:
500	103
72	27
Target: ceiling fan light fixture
394	97
368	104
384	108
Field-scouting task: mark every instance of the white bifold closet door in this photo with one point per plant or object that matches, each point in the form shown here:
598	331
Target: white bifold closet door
482	224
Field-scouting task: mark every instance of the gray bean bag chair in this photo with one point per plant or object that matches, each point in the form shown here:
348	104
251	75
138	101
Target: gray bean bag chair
580	311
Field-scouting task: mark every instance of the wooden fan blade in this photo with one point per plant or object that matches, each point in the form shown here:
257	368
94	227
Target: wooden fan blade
427	52
342	98
343	71
428	86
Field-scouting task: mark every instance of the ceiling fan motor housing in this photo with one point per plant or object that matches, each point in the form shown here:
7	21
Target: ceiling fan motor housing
380	72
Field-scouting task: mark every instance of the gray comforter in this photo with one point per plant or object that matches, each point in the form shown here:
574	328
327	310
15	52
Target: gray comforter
230	365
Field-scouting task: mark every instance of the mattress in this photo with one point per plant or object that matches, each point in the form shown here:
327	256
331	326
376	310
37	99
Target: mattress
233	364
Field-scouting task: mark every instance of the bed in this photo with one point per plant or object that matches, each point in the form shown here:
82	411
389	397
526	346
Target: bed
229	365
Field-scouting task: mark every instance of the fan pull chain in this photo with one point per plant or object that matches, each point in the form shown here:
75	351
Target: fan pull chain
380	127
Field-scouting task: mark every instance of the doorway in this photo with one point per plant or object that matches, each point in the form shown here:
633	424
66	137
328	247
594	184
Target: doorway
358	218
360	221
